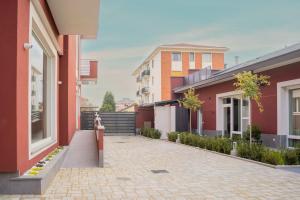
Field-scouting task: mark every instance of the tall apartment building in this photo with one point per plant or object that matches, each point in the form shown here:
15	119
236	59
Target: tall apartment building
167	66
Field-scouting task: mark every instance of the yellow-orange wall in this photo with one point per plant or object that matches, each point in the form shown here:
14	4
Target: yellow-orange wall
167	73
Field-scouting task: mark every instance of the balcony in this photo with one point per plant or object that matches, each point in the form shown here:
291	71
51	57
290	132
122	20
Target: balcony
88	71
198	76
138	79
145	90
146	73
138	93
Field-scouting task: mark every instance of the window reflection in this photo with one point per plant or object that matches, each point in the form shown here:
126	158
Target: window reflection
38	60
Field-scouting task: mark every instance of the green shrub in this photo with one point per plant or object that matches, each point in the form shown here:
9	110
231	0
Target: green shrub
222	145
155	134
172	136
201	142
290	157
272	157
151	132
253	152
256	133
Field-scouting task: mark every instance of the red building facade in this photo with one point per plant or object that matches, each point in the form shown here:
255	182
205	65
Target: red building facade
40	56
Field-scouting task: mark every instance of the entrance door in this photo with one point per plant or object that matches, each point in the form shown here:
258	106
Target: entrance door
227	121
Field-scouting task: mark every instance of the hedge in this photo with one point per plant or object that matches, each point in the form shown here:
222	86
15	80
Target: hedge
218	144
151	133
257	152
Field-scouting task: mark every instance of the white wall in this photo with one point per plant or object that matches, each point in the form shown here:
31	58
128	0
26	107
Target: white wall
156	73
165	119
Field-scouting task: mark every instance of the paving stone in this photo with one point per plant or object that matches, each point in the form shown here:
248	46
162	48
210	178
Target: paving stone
193	174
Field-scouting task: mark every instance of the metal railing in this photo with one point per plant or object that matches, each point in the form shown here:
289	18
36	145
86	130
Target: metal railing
145	90
198	76
146	72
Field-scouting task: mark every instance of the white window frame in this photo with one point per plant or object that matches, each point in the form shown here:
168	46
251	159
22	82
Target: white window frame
37	27
220	111
206	64
192	63
283	108
176	65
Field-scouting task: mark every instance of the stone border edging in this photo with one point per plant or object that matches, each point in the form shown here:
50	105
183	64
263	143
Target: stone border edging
231	156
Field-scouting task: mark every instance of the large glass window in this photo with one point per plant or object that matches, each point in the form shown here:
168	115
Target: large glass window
295	113
176	61
206	60
42	97
236	115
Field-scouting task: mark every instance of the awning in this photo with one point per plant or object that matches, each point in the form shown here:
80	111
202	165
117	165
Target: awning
76	17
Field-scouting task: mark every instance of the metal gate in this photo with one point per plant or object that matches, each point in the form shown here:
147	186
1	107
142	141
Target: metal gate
87	115
118	123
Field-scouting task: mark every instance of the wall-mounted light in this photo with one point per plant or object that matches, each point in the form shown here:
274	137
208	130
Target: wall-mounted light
59	82
27	46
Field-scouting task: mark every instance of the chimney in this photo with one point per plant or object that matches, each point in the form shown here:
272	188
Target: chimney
236	59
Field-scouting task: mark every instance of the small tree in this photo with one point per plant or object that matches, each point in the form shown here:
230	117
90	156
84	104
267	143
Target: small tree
250	84
191	102
108	104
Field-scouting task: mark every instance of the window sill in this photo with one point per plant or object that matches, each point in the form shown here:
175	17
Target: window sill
39	147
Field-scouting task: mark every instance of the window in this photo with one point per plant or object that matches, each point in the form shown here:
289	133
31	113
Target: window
42	87
176	61
192	57
176	56
192	60
206	60
152	80
295	113
234	114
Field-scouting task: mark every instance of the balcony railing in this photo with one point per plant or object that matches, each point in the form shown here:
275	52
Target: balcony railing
146	73
145	90
198	76
138	93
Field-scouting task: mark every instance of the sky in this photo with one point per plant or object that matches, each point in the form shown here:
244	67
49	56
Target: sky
129	30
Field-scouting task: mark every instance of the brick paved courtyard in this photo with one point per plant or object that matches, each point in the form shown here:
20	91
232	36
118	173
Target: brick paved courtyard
192	174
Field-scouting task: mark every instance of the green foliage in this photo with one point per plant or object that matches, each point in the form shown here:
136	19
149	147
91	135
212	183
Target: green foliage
108	104
222	145
191	100
256	133
291	156
260	153
172	136
151	133
250	84
253	152
272	157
